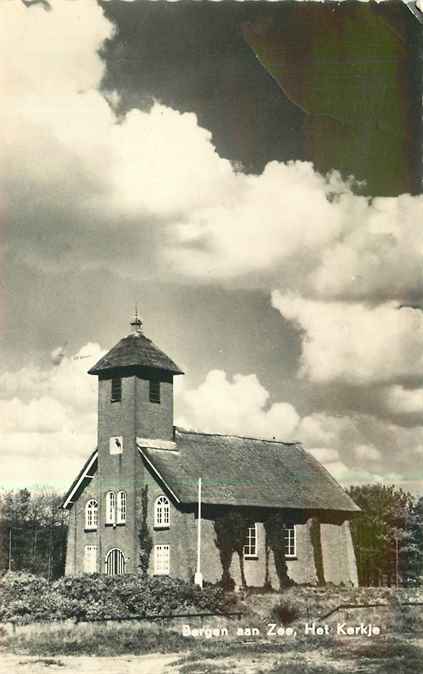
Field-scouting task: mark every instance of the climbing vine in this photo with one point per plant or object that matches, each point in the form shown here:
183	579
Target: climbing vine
316	543
273	527
144	536
231	533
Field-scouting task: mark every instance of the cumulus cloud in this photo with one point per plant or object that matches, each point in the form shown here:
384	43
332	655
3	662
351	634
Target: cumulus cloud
49	419
353	449
240	406
354	342
150	184
146	192
400	400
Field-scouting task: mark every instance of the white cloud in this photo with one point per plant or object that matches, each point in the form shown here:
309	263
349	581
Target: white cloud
121	176
48	420
353	449
353	342
400	400
239	407
367	452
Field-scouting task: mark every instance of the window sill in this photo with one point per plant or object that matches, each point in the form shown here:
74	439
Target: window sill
89	529
291	558
247	557
114	524
161	526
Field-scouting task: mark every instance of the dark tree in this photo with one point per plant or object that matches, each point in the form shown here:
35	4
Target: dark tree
381	533
33	529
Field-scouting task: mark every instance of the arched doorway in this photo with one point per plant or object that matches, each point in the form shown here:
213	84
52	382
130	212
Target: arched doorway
115	562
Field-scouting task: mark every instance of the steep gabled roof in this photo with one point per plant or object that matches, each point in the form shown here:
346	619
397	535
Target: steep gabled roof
246	472
135	350
84	476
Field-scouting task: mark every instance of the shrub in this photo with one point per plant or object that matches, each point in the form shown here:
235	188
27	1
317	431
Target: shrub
285	613
25	598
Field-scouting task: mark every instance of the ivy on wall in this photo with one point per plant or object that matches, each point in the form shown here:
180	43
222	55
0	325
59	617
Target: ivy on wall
316	543
273	527
144	535
231	534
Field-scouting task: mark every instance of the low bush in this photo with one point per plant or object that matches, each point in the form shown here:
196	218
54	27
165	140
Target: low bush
26	598
285	613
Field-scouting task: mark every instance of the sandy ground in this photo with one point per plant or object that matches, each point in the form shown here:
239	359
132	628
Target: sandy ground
127	664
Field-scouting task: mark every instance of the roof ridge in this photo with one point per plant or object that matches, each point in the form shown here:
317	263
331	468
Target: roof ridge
179	429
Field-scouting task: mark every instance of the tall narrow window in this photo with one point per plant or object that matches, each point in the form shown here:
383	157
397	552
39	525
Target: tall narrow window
91	514
250	547
290	540
162	560
90	559
116	394
154	391
121	507
115	562
110	508
162	512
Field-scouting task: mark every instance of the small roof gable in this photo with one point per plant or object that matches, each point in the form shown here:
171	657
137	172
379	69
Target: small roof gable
246	472
135	350
84	476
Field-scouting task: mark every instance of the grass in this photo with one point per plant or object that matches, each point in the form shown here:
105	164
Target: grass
50	641
45	661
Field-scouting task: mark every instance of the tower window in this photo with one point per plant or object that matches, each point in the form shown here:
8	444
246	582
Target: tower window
116	394
121	507
154	391
110	508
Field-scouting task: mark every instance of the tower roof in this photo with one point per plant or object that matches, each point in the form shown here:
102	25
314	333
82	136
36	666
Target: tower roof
135	350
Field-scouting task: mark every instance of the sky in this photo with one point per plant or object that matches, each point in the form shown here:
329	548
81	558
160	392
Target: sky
167	168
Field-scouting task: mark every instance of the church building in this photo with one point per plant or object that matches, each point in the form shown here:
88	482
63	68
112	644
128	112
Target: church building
144	476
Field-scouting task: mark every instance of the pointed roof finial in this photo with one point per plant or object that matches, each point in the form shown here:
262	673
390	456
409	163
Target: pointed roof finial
136	323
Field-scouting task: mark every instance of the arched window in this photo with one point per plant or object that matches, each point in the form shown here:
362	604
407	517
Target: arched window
110	507
115	562
91	514
121	507
162	512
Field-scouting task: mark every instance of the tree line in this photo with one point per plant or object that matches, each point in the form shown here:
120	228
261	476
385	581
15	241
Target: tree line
387	535
33	529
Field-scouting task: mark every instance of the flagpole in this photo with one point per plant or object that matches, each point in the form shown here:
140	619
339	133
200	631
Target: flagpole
198	578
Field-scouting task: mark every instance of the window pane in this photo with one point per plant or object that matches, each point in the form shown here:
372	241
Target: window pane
154	391
91	514
161	559
161	512
90	559
116	394
250	547
121	507
289	538
110	507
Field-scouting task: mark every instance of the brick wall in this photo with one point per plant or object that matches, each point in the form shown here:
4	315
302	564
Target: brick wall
135	416
181	536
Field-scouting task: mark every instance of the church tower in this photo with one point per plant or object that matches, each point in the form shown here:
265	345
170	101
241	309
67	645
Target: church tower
135	400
